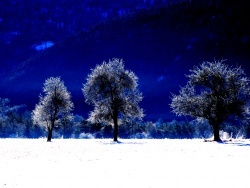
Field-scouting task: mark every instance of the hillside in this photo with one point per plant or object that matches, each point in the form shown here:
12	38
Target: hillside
160	44
26	25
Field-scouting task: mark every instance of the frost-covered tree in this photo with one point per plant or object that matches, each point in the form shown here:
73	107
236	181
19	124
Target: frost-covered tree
215	92
9	118
4	109
113	92
54	106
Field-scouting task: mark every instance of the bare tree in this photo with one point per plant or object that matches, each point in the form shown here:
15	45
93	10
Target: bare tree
112	91
214	92
54	105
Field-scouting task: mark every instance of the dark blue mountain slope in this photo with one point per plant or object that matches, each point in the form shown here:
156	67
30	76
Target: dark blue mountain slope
159	44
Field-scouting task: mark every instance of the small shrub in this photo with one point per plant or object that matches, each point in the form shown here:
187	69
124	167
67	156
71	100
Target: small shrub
86	136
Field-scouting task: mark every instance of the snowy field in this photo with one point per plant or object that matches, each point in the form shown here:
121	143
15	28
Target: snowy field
130	163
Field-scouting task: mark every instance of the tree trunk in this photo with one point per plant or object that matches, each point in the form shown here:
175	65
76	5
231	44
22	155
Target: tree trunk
216	128
115	127
50	129
49	135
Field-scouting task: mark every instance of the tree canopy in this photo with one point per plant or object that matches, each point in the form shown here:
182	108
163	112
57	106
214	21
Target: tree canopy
215	92
56	104
113	92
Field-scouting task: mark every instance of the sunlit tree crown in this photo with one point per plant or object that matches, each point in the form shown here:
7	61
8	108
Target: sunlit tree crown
111	88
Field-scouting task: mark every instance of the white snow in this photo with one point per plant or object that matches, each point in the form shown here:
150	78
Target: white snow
43	45
130	163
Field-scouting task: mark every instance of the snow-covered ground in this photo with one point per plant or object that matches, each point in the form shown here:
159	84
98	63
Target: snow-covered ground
130	163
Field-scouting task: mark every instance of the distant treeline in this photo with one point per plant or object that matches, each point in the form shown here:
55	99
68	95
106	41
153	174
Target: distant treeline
15	122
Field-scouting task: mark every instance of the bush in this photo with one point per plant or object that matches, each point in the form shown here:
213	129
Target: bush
86	136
